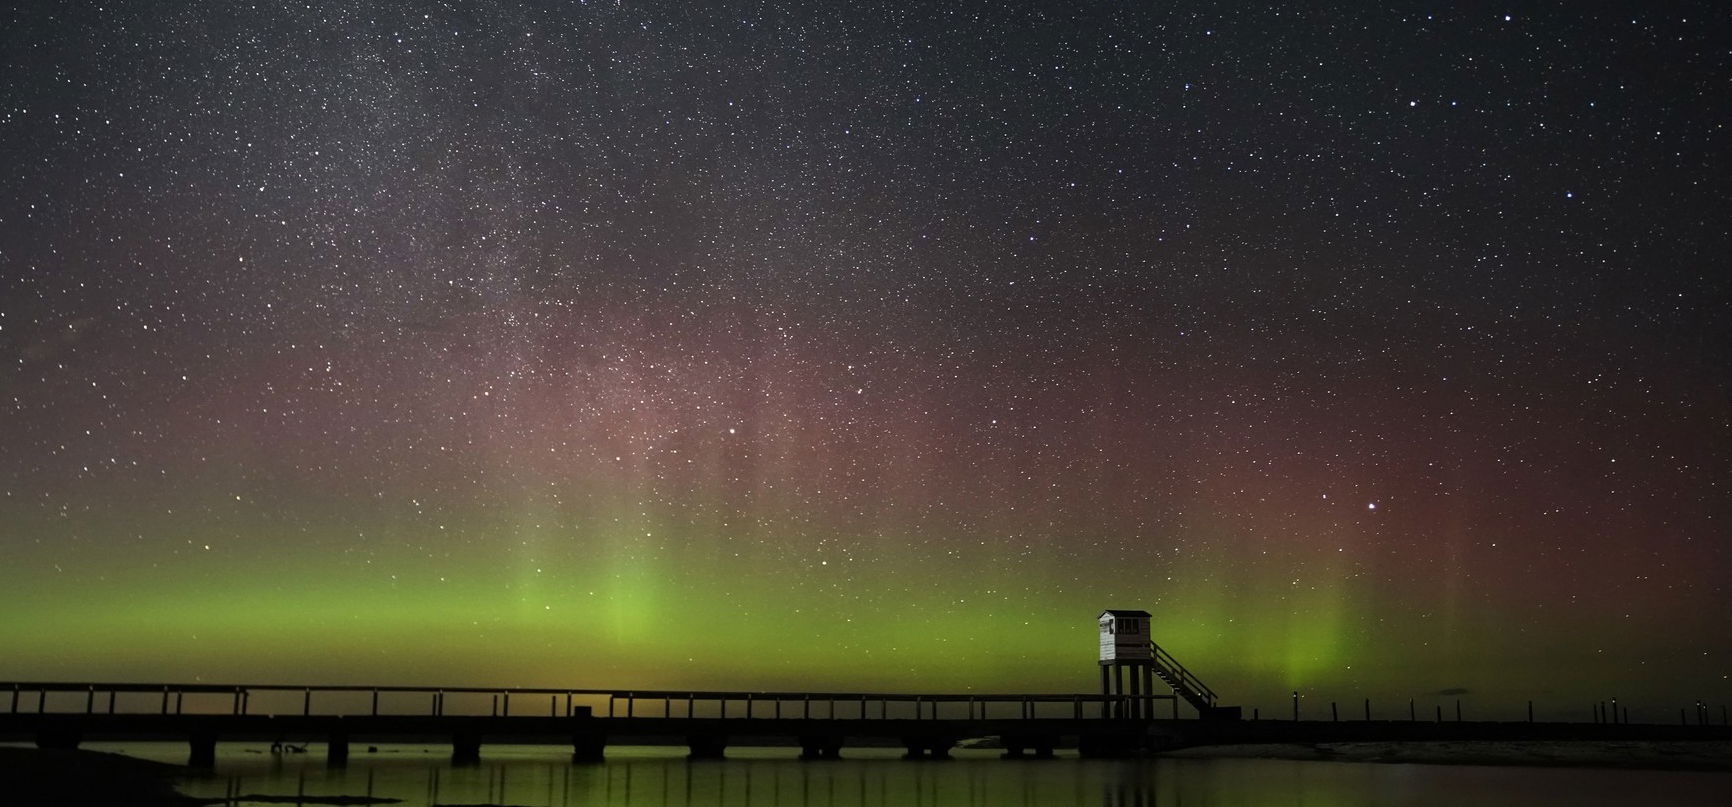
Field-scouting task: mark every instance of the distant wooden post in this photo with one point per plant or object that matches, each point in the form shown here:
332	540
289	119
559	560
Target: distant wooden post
14	699
1334	715
90	700
306	702
1682	720
42	701
1458	710
1368	710
1295	705
505	704
493	708
111	703
375	701
1530	711
1256	714
1440	713
1412	715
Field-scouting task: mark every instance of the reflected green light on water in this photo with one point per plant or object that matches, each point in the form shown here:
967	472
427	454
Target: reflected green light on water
420	776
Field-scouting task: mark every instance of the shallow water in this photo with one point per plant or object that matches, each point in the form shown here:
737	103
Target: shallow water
543	776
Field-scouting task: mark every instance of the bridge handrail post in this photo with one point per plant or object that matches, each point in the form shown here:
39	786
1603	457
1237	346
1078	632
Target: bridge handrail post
165	699
505	701
15	690
90	699
375	701
307	702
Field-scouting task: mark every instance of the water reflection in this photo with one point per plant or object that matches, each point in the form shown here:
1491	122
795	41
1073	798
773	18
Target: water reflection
654	777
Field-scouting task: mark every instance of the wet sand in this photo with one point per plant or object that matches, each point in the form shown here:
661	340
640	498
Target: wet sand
1634	755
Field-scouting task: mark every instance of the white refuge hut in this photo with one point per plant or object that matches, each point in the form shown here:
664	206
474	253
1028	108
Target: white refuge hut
1124	635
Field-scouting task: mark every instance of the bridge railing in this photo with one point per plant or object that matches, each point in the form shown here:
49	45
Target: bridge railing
25	697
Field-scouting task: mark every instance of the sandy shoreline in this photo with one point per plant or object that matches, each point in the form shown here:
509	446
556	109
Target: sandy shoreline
1633	755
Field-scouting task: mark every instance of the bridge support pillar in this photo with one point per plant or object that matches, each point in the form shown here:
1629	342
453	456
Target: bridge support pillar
203	750
926	747
706	747
466	749
1108	745
589	748
60	735
337	750
820	747
1020	746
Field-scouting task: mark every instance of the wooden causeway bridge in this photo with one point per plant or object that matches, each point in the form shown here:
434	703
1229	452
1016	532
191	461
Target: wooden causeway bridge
62	715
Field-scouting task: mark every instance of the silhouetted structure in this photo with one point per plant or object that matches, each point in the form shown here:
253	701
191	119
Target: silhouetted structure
1127	651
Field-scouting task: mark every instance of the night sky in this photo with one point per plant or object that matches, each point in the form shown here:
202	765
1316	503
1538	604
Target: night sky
1378	350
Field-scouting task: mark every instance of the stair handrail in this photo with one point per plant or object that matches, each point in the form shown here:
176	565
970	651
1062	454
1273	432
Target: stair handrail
1185	679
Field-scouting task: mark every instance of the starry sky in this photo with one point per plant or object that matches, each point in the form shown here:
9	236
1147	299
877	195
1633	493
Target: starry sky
1376	349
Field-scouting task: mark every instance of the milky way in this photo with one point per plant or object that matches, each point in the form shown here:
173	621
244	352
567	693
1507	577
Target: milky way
1376	351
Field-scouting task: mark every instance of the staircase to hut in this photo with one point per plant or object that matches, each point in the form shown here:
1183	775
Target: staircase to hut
1184	683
